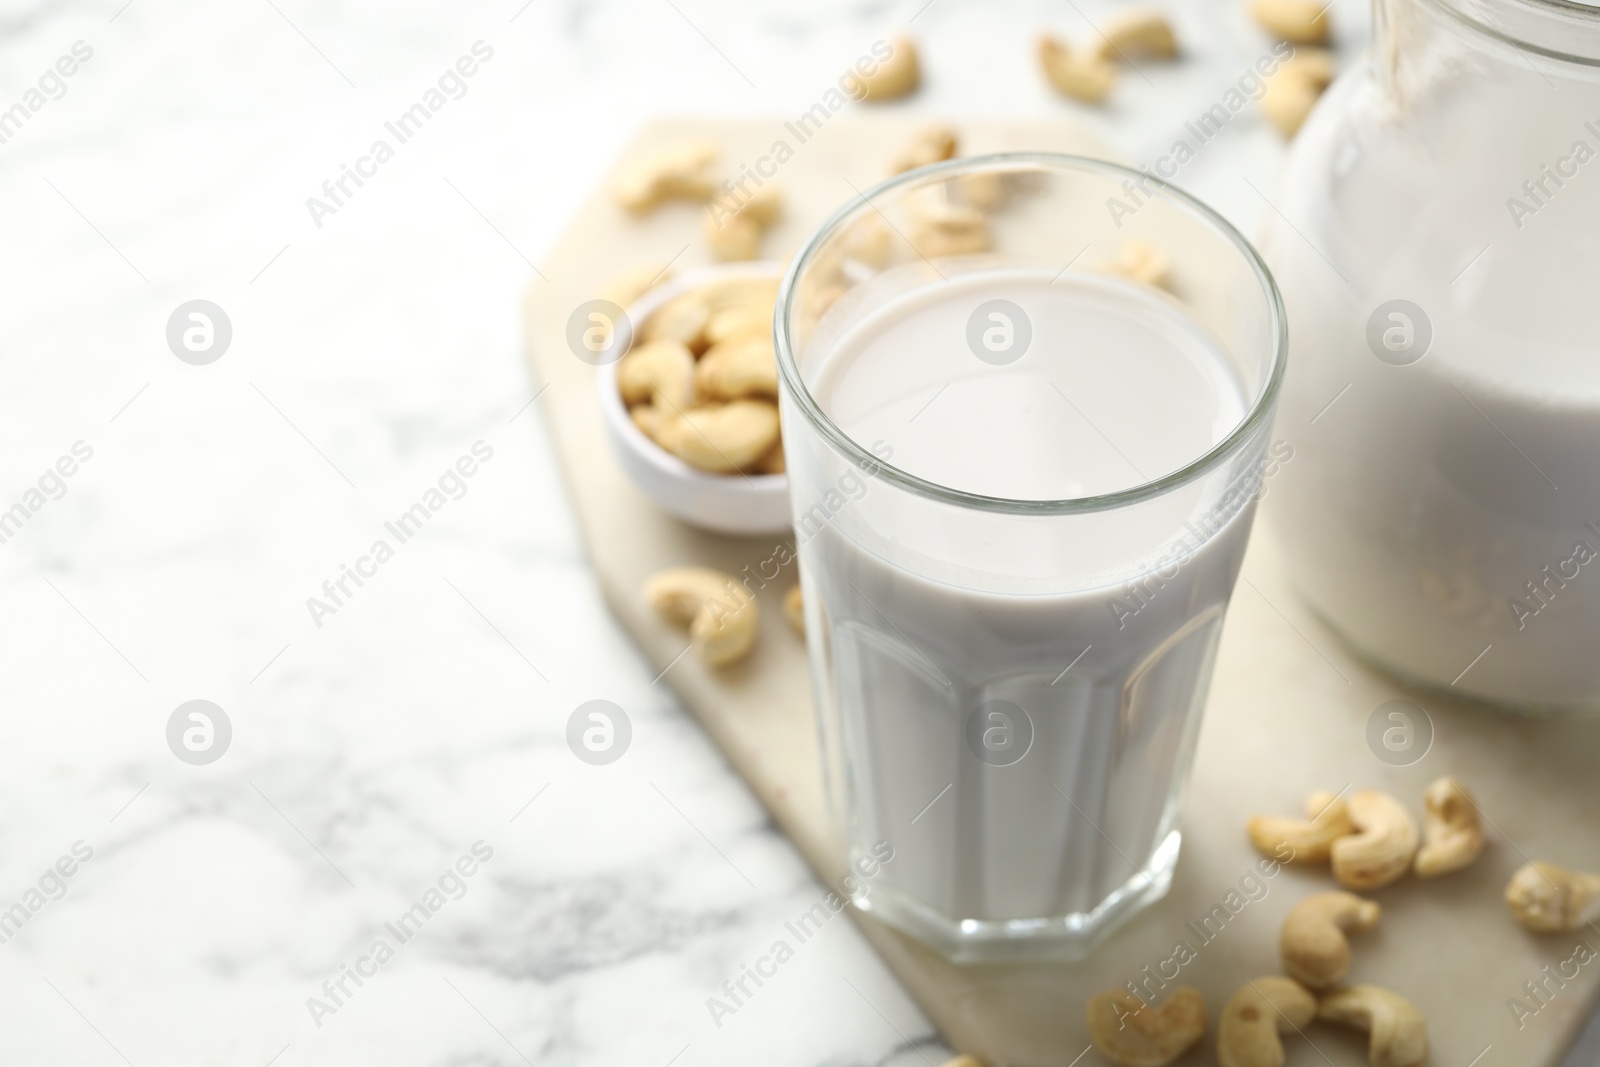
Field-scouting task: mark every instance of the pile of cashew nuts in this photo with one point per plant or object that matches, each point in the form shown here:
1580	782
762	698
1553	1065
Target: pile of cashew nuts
1370	841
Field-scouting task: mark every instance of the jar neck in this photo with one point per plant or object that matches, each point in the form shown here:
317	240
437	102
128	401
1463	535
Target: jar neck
1552	35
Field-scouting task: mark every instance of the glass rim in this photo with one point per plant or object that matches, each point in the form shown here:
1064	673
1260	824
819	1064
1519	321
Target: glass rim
1208	461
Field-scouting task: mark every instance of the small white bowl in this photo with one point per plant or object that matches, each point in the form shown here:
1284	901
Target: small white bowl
726	503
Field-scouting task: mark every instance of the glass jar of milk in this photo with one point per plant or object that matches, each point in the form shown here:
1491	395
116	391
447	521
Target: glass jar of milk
1025	427
1439	253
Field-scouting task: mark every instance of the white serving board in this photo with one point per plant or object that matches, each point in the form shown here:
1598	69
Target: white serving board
1287	714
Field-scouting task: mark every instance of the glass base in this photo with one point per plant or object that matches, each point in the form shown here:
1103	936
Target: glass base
1059	939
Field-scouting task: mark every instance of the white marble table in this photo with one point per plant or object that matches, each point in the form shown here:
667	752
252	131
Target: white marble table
376	739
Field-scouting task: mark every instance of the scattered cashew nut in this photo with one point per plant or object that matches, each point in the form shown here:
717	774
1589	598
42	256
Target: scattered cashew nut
683	170
1295	21
1399	1032
1141	34
895	76
738	368
659	373
868	241
1248	1034
1295	88
1382	848
931	144
1130	1033
1078	74
763	206
964	1061
1316	952
943	227
1143	262
733	230
983	189
1308	842
733	238
726	439
1550	899
1452	829
794	609
721	615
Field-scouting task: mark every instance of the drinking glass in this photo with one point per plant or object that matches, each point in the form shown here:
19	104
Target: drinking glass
1009	682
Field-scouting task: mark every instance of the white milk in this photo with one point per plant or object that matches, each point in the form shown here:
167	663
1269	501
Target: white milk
1446	515
1117	388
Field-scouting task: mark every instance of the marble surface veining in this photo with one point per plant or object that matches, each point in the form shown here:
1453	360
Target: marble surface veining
404	744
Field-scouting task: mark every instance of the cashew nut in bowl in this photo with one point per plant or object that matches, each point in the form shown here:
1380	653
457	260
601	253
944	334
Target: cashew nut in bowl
721	615
682	319
662	369
1399	1032
1452	829
648	418
773	462
1550	899
733	292
1380	851
730	439
740	320
742	367
1316	952
1130	1033
1249	1032
1328	819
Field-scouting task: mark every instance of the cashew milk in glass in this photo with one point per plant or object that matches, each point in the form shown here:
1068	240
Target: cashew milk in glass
1023	745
